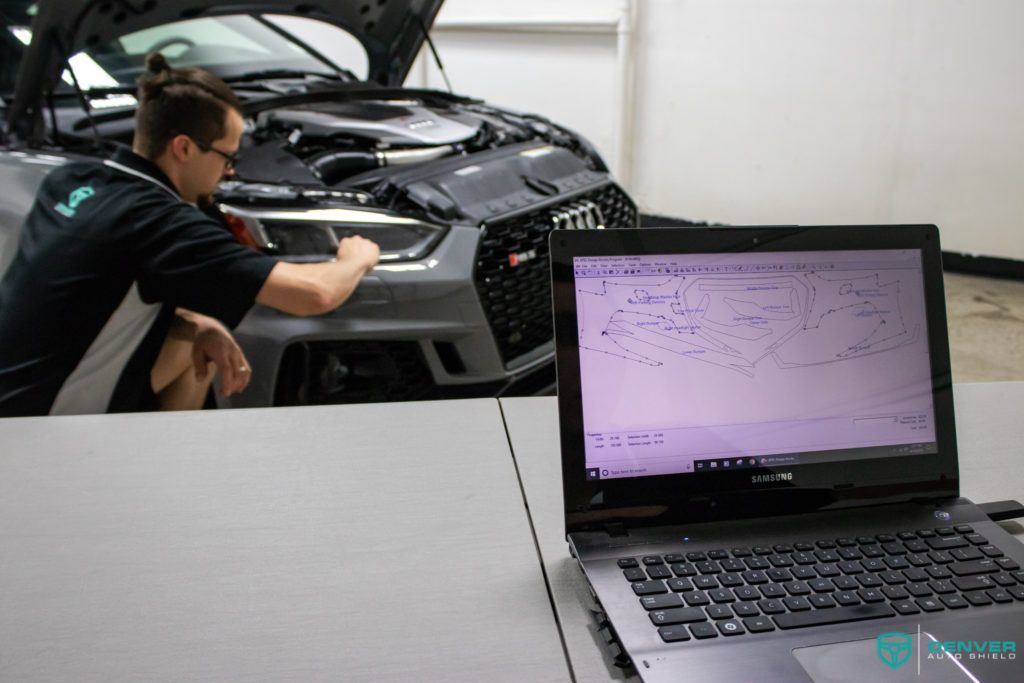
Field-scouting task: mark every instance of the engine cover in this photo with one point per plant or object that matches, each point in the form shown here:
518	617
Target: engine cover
386	122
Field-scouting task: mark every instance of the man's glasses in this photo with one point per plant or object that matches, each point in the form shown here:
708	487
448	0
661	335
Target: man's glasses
230	160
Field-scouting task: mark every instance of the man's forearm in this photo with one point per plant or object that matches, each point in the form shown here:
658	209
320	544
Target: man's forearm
310	288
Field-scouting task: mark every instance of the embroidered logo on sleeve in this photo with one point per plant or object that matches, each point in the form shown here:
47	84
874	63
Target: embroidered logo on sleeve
76	197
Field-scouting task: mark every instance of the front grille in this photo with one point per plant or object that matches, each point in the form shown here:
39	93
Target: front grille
517	298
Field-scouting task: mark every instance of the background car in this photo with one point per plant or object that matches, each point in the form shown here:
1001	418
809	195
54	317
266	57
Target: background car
460	195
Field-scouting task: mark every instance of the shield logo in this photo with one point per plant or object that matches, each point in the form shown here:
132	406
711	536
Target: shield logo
894	648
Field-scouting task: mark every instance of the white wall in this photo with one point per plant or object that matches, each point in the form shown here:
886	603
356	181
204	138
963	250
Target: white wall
774	111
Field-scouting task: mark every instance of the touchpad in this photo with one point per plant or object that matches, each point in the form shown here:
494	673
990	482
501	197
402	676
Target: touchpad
889	657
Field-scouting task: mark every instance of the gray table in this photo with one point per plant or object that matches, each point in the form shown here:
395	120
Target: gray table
339	543
990	431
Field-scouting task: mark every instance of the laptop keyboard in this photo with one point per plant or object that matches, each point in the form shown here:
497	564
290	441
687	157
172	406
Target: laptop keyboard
700	595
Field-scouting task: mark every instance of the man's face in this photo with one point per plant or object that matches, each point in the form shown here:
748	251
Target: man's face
208	168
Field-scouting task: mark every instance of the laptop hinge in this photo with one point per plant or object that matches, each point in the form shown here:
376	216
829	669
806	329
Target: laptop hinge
614	529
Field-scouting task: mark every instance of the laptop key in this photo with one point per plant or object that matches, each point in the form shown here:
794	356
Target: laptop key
938	572
759	624
755	577
822	601
991	550
973	583
797	588
974	567
741	552
803	573
945	531
963	529
717	555
719	611
925	533
999	595
895	592
702	631
947	543
964	554
659	571
976	539
684	569
747	593
953	601
822	617
905	607
978	598
869	580
941	587
845	583
779	575
846	598
649	587
679	615
796	604
916	546
721	595
915	575
803	547
1004	579
1017	592
756	563
674	558
729	580
745	609
664	601
705	582
730	628
1007	563
827	570
918	560
821	586
696	598
708	567
772	590
627	563
870	595
673	634
845	542
636	574
906	535
940	557
651	560
929	604
680	585
771	606
732	565
919	590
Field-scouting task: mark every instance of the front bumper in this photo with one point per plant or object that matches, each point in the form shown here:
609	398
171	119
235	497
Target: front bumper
465	321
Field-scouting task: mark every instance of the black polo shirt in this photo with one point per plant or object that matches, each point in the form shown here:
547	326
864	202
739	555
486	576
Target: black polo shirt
106	254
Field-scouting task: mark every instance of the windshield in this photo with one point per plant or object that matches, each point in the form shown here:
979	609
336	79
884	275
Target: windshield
229	46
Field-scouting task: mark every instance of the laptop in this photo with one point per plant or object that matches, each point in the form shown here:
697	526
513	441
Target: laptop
759	457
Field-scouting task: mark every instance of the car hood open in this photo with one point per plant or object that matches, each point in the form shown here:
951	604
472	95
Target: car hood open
391	32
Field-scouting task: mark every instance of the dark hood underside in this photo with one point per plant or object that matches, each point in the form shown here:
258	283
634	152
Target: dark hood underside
391	31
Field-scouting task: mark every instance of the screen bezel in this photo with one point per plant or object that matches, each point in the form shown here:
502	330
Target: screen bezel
661	499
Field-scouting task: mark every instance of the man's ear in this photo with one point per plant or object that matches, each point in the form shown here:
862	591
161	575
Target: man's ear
180	147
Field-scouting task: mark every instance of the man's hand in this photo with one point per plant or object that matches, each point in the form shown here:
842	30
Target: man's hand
360	251
214	344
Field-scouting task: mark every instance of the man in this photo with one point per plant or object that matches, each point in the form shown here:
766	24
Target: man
122	291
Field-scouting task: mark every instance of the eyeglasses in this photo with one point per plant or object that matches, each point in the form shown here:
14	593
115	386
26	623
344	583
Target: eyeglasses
230	160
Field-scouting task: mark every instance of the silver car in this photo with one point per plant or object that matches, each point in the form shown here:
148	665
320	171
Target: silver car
460	195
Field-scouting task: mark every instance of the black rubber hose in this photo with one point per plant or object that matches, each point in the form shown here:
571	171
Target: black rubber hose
331	167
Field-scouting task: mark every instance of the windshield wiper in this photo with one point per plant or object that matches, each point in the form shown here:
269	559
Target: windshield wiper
269	74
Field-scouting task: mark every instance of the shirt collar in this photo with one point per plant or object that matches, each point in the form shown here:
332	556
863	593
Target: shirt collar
126	157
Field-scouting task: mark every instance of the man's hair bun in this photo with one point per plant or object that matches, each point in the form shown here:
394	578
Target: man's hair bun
156	63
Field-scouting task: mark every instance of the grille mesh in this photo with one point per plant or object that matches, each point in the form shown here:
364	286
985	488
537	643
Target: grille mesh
517	299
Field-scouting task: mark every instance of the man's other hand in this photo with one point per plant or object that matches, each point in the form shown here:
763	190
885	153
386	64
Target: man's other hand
214	344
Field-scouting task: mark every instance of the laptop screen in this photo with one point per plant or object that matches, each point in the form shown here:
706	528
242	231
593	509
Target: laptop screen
696	363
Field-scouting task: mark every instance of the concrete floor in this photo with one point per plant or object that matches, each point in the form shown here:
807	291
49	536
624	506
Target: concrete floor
986	328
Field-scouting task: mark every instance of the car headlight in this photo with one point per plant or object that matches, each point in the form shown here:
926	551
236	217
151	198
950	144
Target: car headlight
311	234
